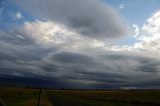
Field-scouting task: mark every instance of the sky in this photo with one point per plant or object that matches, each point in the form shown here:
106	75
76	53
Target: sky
90	44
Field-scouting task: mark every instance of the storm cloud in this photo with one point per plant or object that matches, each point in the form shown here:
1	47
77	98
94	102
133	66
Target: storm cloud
83	70
68	45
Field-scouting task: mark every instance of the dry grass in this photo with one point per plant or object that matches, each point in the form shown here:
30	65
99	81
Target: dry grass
14	96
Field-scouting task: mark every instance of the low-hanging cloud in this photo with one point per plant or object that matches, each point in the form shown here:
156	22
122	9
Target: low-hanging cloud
91	18
79	69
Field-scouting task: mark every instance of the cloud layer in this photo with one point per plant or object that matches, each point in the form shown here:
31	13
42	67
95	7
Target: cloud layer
65	46
91	18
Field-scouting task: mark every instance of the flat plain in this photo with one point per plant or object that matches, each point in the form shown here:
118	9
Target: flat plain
16	96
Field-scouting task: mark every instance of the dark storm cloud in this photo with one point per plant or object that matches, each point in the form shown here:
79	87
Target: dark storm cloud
91	18
135	63
20	56
82	70
107	78
149	66
74	69
72	58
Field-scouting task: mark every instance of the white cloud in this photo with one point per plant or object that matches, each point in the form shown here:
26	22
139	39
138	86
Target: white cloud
128	88
79	15
45	32
152	27
150	33
17	15
148	38
80	81
49	33
136	30
121	6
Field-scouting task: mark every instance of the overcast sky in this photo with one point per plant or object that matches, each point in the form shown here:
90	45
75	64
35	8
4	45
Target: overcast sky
81	43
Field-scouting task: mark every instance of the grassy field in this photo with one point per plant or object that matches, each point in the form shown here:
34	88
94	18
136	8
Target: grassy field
105	98
14	96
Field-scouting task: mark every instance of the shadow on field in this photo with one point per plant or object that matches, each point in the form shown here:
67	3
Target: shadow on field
59	101
102	98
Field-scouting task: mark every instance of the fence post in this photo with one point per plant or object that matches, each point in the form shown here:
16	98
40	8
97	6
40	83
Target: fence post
39	96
